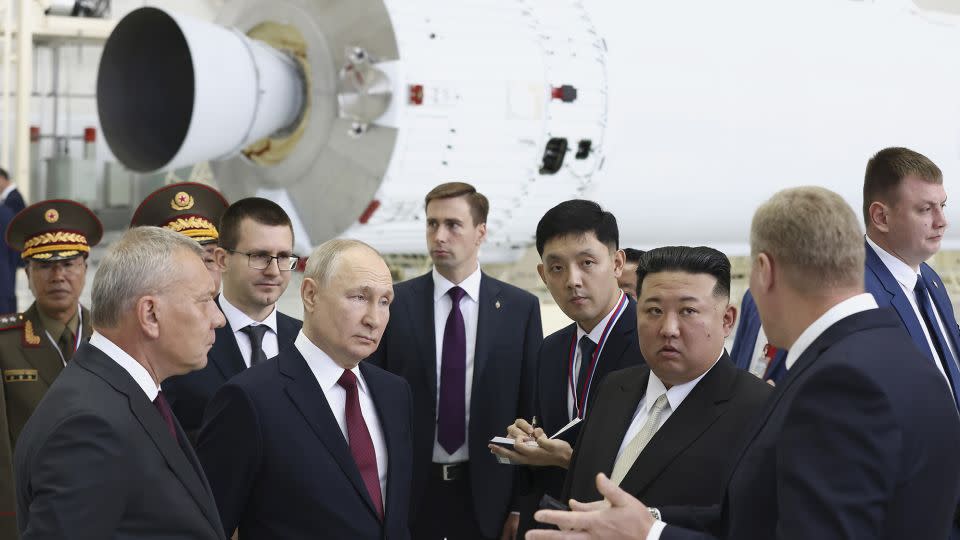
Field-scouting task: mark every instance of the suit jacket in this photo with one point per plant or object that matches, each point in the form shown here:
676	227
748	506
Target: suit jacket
188	394
622	350
879	281
509	332
96	461
281	468
745	341
685	461
14	201
844	448
29	363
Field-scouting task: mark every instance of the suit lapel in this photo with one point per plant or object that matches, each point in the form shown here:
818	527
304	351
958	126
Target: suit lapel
309	399
225	352
699	410
487	326
898	300
146	414
421	311
621	412
553	379
391	418
942	302
43	356
623	332
287	329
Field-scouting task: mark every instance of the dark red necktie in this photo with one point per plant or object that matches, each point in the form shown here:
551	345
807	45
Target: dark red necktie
161	404
361	445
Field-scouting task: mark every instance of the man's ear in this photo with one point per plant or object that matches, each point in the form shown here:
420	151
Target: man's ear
308	294
220	257
483	233
543	277
619	259
729	320
147	316
878	214
764	266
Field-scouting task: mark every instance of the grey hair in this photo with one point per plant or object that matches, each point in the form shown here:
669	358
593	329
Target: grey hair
140	263
325	259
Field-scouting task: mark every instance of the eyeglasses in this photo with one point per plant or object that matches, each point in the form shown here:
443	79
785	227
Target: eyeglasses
68	266
259	261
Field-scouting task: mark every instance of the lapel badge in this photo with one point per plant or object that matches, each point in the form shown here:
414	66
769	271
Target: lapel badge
497	304
936	285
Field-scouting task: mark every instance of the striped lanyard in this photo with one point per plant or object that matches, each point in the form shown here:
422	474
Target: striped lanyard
581	403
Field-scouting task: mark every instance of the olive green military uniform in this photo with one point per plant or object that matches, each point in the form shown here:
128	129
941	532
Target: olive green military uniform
34	347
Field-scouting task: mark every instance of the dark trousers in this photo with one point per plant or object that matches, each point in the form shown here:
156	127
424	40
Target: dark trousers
447	507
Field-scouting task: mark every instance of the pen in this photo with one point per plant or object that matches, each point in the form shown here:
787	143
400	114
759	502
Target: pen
533	423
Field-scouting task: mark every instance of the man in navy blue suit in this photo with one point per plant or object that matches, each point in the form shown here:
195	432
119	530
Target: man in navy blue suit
578	242
751	350
858	441
12	203
467	344
256	257
314	444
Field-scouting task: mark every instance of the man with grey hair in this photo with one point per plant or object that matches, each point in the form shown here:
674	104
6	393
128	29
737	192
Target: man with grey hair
316	444
844	448
102	456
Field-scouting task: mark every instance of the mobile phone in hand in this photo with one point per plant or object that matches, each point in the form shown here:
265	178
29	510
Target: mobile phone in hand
550	503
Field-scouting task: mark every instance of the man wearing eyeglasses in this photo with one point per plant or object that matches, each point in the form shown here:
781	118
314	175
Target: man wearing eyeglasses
256	257
54	239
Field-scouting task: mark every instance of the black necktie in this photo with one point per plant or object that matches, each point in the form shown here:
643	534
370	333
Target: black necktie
256	333
587	346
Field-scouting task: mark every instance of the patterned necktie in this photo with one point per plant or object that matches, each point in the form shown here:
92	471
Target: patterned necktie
587	346
256	333
451	408
361	445
639	442
939	340
65	344
163	407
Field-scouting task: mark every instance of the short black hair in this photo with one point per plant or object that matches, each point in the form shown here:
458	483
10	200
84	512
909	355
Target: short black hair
3	174
633	255
578	216
692	260
260	210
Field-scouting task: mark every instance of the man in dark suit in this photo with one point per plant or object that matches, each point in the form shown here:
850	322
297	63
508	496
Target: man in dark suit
844	448
663	434
471	368
97	459
55	238
903	200
628	277
751	350
315	444
12	203
578	243
255	256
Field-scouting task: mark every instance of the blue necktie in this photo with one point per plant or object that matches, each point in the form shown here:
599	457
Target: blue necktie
451	409
939	340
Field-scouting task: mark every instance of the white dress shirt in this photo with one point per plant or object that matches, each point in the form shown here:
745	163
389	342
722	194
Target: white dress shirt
850	306
328	374
655	388
594	336
131	366
907	279
239	320
470	309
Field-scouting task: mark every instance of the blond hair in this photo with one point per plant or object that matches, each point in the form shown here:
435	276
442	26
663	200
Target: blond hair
814	235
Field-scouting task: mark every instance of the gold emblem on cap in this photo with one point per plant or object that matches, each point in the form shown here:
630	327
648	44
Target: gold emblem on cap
181	201
51	215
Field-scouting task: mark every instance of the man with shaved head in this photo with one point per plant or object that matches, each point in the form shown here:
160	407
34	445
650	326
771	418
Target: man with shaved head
314	444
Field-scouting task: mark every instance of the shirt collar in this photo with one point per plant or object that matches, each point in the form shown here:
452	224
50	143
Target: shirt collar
55	327
326	371
905	276
136	370
676	394
470	285
597	331
850	306
239	320
7	191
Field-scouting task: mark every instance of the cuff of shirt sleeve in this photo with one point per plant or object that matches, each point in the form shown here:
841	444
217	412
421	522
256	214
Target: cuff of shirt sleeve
656	530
